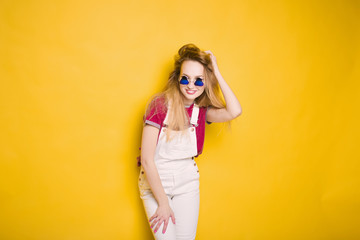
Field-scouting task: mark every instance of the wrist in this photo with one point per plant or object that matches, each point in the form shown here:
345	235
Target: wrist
163	202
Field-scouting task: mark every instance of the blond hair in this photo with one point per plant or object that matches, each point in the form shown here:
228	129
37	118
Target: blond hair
178	119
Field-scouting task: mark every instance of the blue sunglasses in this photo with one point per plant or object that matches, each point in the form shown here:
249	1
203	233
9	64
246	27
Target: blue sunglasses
185	81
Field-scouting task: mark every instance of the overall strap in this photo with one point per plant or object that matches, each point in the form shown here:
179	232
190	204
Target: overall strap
195	115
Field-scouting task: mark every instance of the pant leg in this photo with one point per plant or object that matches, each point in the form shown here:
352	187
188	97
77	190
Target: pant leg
150	205
184	189
186	210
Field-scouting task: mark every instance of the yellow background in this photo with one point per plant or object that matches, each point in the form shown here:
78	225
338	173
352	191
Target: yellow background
75	78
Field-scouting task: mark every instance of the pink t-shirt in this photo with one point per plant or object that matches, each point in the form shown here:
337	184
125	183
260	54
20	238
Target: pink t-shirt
157	116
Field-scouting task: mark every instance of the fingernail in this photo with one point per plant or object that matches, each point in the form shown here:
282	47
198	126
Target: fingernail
155	231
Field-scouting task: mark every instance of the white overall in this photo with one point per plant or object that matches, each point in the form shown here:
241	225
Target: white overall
179	175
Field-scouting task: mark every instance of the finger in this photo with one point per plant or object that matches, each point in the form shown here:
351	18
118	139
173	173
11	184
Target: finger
153	216
172	218
165	226
158	226
154	222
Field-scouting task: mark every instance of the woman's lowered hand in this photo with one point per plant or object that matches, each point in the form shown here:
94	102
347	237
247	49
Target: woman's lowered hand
162	215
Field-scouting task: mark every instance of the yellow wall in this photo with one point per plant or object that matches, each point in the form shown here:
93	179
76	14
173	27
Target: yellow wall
75	78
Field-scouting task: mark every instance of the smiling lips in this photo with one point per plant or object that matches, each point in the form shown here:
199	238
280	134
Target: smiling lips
191	92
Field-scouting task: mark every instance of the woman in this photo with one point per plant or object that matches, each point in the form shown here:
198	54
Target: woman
173	135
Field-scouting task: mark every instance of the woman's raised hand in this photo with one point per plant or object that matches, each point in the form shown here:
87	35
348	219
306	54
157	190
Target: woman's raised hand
162	215
213	60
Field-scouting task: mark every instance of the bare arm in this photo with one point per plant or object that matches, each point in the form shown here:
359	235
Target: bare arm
233	107
148	146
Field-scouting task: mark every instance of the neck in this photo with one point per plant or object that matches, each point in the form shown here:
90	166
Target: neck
187	102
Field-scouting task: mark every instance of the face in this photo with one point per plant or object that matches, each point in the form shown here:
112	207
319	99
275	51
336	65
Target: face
193	72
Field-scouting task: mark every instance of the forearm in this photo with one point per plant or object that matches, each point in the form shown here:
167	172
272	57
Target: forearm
233	106
154	181
148	146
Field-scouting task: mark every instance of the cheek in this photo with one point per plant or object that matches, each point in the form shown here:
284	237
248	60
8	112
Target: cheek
182	88
201	91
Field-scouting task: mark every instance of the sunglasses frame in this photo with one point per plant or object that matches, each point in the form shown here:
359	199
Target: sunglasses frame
196	83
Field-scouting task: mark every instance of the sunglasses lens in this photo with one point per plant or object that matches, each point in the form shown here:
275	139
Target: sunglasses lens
199	83
184	81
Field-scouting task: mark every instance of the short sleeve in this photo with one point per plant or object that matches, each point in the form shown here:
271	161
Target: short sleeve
155	113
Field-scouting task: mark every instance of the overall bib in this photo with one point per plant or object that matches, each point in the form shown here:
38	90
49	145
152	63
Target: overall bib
179	176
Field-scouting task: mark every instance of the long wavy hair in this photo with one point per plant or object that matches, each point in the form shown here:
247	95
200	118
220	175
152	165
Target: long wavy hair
178	119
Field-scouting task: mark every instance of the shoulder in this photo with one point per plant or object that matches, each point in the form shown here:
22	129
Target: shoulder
156	105
156	111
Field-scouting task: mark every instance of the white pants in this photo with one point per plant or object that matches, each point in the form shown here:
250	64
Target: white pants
180	179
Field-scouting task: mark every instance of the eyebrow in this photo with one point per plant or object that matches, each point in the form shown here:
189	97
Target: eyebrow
195	76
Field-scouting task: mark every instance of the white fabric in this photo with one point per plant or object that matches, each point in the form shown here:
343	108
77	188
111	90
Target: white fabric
182	190
195	115
179	176
182	144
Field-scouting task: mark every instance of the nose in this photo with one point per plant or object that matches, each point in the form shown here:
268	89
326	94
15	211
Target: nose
191	85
